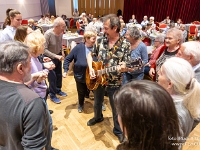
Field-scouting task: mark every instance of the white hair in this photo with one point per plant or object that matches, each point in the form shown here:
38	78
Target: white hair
151	18
57	21
192	48
181	75
177	34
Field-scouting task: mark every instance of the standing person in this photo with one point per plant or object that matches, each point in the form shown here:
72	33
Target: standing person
190	51
80	63
111	49
53	48
173	40
147	116
138	50
23	114
35	41
177	77
14	20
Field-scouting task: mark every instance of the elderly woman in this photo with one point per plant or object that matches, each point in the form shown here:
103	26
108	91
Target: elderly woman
147	116
137	50
13	21
158	44
177	77
79	54
173	39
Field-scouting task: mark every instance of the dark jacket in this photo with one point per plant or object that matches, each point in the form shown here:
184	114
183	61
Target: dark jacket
77	54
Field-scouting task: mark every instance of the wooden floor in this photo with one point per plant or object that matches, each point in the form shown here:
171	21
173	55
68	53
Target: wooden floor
71	130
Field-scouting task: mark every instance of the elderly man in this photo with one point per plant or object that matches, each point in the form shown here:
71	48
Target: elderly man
111	49
190	51
23	114
145	21
53	49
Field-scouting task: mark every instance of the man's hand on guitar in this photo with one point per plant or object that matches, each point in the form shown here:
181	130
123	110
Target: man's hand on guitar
122	67
92	73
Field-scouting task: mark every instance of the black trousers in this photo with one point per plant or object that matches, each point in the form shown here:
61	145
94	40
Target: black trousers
55	77
82	92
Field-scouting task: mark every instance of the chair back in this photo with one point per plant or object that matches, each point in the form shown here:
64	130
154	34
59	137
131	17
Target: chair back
24	22
71	23
78	25
146	41
195	22
163	26
157	26
192	29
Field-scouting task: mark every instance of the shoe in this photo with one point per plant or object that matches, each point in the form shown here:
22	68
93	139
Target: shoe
121	138
92	121
51	111
103	107
55	99
80	109
62	93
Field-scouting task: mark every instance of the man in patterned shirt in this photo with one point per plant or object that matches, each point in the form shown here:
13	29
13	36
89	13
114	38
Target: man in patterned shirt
111	50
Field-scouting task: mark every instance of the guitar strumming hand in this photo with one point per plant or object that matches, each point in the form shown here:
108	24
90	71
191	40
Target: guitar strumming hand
92	73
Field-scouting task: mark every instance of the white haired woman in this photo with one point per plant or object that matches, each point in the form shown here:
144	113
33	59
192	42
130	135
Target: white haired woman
177	77
79	54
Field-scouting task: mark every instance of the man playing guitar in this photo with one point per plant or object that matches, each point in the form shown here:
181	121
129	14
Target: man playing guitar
112	50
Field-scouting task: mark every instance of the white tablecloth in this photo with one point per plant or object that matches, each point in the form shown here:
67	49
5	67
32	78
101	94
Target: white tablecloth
133	25
45	27
67	39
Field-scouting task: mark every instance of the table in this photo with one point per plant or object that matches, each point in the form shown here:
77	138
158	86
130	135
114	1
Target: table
67	39
134	25
46	27
187	26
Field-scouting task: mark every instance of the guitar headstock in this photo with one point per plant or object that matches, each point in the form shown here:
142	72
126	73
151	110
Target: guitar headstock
135	63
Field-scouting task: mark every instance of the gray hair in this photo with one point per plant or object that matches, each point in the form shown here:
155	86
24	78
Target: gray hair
57	21
177	34
160	38
134	32
11	53
192	48
114	21
184	83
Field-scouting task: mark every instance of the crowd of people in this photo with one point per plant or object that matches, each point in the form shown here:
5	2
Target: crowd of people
145	113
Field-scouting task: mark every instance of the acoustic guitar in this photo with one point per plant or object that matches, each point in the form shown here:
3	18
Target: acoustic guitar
100	72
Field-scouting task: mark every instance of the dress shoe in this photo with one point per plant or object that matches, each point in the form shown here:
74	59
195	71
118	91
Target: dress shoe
52	148
92	121
80	108
51	111
121	138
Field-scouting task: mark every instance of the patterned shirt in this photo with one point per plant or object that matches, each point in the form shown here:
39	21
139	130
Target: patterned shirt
112	56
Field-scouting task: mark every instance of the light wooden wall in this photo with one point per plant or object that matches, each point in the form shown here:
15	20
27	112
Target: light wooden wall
100	7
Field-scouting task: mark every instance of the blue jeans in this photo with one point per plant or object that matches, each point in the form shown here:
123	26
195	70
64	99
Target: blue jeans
128	77
111	90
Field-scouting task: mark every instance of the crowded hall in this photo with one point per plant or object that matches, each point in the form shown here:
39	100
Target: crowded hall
99	74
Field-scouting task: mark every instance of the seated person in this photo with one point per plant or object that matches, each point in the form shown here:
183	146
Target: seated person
166	21
143	32
158	44
76	13
52	19
147	116
182	28
145	21
178	23
151	21
133	20
42	20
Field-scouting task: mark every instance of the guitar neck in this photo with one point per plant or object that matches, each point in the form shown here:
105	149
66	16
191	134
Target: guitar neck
106	70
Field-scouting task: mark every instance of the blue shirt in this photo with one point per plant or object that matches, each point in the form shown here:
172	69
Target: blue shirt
140	51
7	34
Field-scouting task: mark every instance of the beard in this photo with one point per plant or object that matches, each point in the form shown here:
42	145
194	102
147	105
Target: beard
27	76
